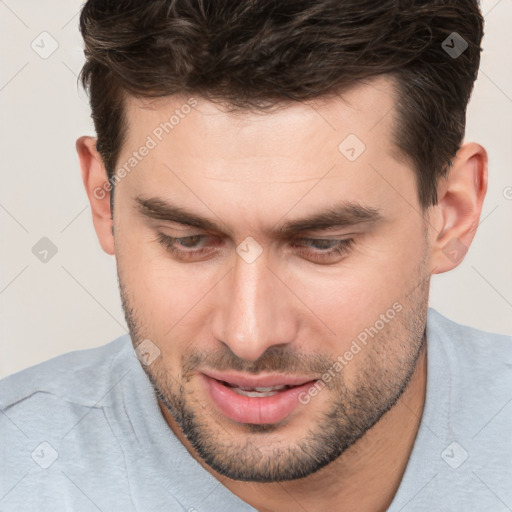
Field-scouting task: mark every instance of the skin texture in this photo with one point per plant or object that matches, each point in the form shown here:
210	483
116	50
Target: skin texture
289	311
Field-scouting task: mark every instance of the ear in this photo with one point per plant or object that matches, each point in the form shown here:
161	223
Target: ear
457	212
97	186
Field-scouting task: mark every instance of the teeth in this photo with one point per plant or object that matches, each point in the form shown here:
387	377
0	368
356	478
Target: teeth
258	391
264	390
253	394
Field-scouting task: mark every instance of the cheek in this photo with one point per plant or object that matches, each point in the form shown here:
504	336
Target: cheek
152	289
351	298
168	297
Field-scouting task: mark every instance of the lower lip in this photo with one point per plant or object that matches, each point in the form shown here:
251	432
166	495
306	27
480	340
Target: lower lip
256	410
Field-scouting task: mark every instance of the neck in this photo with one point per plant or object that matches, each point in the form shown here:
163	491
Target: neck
364	478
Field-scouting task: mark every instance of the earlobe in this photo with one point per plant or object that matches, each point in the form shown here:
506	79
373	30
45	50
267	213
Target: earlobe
97	187
460	199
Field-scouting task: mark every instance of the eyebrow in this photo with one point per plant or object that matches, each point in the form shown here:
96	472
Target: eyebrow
341	215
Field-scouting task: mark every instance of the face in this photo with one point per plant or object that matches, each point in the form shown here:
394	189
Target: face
265	250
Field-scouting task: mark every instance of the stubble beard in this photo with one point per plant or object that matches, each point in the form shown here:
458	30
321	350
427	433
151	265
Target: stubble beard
353	409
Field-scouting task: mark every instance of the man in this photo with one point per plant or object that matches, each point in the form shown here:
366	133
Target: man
278	181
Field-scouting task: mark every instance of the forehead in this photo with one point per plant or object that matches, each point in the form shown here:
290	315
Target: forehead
365	110
307	154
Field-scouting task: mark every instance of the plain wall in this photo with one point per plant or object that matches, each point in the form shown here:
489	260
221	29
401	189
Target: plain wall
72	301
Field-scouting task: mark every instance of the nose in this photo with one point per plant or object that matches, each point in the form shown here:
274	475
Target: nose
254	309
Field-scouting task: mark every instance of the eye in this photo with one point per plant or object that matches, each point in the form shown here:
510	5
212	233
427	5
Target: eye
195	246
335	248
179	246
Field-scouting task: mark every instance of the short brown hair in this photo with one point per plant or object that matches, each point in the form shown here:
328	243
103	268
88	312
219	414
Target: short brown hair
253	54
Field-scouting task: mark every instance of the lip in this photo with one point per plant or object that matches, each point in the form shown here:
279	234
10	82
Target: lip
256	410
258	381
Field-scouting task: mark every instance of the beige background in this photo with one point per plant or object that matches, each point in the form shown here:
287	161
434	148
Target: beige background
72	301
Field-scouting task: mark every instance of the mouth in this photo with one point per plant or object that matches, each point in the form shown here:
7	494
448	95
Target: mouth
256	400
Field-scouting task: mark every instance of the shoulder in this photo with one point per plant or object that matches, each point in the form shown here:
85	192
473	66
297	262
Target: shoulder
476	367
76	377
459	451
470	345
54	412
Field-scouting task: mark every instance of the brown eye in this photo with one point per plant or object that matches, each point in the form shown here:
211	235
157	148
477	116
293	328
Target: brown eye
184	247
335	248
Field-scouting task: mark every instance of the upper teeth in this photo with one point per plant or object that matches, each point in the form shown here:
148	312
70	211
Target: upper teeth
258	392
263	390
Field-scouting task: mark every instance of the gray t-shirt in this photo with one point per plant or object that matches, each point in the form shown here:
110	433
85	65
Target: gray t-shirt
83	432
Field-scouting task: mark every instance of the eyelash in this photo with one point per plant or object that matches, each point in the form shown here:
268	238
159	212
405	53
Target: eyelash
341	247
